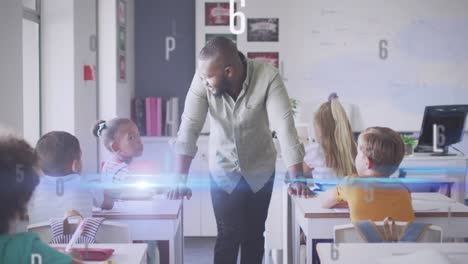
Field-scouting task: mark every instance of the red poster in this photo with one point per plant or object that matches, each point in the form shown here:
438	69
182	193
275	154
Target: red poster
122	67
217	14
271	58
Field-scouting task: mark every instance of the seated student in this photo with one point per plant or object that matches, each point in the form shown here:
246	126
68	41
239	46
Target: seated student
19	177
370	195
62	188
334	152
120	137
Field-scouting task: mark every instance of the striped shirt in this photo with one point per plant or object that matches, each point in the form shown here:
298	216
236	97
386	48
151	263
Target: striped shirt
115	171
88	235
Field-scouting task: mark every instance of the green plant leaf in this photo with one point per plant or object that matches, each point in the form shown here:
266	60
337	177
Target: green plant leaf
294	103
407	140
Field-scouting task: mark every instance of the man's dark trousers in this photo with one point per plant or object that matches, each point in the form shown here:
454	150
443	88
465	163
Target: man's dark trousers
240	218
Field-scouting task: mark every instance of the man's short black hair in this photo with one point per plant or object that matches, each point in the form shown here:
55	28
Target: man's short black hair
219	47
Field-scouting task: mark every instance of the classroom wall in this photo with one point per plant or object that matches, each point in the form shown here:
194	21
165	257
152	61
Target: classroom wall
333	46
85	92
126	90
11	88
68	102
107	59
57	65
463	146
31	82
114	96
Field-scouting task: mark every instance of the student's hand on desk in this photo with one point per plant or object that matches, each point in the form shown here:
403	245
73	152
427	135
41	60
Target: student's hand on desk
179	192
300	189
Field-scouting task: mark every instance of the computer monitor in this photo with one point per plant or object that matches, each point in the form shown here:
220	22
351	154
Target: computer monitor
452	119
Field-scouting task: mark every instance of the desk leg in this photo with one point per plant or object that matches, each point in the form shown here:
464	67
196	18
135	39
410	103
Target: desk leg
181	234
176	244
309	251
267	255
172	251
296	243
288	227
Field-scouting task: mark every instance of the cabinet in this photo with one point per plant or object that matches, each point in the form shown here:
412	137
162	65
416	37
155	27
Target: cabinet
199	217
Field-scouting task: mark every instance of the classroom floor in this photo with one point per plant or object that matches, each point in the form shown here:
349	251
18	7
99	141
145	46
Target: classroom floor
199	250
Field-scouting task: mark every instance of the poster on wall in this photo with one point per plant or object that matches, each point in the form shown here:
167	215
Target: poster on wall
122	68
232	37
121	12
271	58
122	38
263	29
217	14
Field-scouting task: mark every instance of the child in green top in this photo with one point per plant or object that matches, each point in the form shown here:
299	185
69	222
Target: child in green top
19	177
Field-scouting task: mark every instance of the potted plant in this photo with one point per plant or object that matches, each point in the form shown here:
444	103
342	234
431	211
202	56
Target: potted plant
294	103
410	143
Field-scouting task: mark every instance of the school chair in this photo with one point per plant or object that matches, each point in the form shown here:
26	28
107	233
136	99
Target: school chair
109	232
348	233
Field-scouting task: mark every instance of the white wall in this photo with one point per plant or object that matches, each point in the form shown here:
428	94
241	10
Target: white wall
114	96
126	91
68	102
58	65
85	92
107	59
31	95
11	87
327	46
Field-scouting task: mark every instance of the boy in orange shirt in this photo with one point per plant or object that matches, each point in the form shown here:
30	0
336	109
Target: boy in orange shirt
371	195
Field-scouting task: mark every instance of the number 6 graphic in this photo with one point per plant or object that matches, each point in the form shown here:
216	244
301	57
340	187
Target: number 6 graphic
19	174
233	15
370	193
383	51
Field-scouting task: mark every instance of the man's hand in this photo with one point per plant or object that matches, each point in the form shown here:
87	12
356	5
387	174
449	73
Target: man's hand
299	189
179	192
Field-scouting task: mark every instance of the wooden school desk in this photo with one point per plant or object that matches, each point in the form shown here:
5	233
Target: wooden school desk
157	219
124	253
318	223
371	253
449	168
453	168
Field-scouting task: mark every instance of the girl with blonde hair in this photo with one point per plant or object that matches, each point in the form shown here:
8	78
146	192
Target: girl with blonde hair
334	152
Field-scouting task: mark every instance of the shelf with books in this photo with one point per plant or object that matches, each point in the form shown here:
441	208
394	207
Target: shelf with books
156	116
